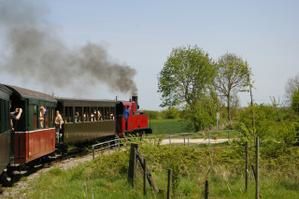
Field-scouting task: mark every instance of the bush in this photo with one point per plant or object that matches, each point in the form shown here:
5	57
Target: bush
170	113
271	123
295	101
153	114
202	114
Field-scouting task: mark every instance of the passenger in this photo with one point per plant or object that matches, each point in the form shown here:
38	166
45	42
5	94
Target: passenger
84	117
77	116
42	111
91	117
111	116
95	116
14	117
58	125
99	115
126	115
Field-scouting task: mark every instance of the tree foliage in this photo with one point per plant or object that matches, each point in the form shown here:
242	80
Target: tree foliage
232	77
292	86
271	123
202	114
295	100
186	75
292	92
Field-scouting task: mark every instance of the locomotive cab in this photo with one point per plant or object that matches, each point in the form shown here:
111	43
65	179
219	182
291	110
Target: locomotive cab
133	123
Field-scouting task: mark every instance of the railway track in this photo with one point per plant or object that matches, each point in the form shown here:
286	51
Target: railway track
75	155
64	162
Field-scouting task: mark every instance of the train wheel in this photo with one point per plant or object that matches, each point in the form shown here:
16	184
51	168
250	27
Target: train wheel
6	180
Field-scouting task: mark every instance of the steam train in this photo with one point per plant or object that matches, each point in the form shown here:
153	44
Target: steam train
32	136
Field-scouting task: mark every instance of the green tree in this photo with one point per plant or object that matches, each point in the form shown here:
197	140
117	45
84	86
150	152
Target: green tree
292	91
171	113
202	114
187	74
295	100
292	85
232	77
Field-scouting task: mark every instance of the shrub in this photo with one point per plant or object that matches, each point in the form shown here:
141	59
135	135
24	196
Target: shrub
170	113
274	125
202	114
153	114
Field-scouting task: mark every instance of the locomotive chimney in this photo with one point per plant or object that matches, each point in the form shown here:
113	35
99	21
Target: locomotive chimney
135	99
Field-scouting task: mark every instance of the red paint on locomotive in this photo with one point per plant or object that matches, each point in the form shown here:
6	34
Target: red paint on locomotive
137	121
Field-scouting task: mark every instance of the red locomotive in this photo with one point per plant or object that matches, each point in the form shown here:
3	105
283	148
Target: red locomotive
136	122
33	135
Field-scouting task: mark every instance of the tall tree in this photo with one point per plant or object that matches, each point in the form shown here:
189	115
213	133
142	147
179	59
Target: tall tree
292	91
232	77
295	100
186	75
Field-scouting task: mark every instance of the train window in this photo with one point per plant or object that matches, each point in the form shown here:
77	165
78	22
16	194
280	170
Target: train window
6	116
86	114
101	109
98	114
42	117
93	114
68	117
1	117
4	119
78	114
50	116
34	121
106	113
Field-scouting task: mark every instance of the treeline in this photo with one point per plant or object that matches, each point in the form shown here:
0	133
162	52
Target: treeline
169	113
204	91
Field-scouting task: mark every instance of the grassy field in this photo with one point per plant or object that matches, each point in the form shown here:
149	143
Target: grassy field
170	126
179	128
222	165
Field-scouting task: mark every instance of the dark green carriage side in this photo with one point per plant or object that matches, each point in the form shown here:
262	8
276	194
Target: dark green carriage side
31	101
5	148
80	126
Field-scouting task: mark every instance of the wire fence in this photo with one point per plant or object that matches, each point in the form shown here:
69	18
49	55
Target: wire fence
248	167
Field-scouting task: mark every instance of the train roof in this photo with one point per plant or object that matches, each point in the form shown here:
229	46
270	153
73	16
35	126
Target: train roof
86	102
26	93
4	92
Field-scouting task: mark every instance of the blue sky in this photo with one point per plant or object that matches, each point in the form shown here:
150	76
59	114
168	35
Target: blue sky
143	33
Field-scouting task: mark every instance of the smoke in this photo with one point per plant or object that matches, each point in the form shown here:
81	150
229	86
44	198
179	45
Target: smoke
36	52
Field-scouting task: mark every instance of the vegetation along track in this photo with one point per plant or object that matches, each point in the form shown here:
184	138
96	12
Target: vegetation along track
77	157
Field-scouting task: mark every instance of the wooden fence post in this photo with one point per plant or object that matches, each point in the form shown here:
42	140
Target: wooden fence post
206	189
132	164
169	180
144	177
257	151
246	166
93	155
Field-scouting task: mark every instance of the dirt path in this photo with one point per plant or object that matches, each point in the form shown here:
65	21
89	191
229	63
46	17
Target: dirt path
193	141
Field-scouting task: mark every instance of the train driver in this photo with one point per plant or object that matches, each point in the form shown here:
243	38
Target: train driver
126	114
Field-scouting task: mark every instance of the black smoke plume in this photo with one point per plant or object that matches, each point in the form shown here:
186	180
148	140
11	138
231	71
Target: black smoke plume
34	51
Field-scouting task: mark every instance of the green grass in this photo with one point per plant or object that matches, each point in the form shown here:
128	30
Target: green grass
222	165
179	128
170	126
